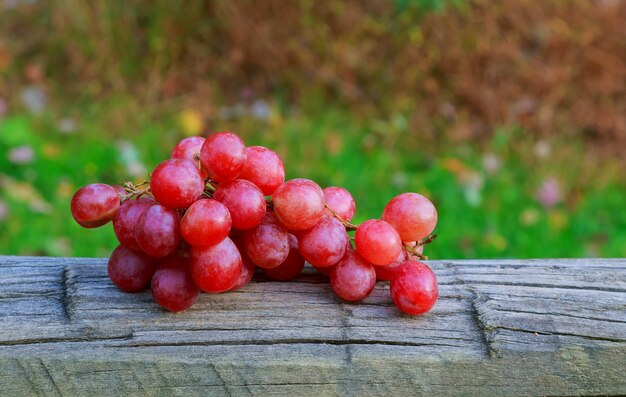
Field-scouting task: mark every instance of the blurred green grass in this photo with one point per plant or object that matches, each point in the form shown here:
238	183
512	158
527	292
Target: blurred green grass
485	194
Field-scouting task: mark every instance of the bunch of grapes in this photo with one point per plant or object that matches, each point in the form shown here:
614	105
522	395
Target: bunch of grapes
217	211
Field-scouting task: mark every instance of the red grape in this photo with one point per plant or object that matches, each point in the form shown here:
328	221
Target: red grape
291	266
244	201
216	268
264	168
223	156
157	232
176	183
414	288
130	270
353	278
247	266
378	242
126	219
412	214
94	205
325	243
341	201
385	273
298	204
172	285
206	222
267	245
187	148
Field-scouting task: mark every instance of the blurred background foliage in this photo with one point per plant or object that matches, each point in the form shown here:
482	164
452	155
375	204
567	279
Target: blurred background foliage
509	114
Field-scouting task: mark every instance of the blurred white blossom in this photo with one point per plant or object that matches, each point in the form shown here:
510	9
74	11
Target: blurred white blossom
472	187
21	155
542	149
260	109
491	163
34	99
399	179
232	112
66	125
130	158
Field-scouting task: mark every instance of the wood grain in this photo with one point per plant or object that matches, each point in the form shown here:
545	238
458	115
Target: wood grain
509	327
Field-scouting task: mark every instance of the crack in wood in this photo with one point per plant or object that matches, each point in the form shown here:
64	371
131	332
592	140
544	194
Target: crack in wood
287	341
49	377
34	341
477	300
608	320
219	376
65	300
554	333
536	285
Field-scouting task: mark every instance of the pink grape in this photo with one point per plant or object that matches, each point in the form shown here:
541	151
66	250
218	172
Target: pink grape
385	273
130	270
298	204
172	285
126	219
157	231
244	201
341	201
206	222
216	268
378	242
353	278
325	243
176	183
412	214
247	272
223	156
187	148
247	266
264	168
292	265
94	205
414	288
267	245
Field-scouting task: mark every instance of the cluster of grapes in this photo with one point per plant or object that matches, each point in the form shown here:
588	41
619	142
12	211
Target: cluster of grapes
217	210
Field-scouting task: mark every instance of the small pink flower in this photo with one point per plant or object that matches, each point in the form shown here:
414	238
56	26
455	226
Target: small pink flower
549	193
21	155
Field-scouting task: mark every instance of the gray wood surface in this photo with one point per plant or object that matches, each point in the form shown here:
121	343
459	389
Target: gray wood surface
500	328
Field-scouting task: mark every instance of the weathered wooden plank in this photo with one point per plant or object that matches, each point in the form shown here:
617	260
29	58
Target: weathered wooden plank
511	327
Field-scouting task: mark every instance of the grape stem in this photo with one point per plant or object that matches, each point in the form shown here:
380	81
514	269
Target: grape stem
349	226
413	251
134	191
209	189
427	240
